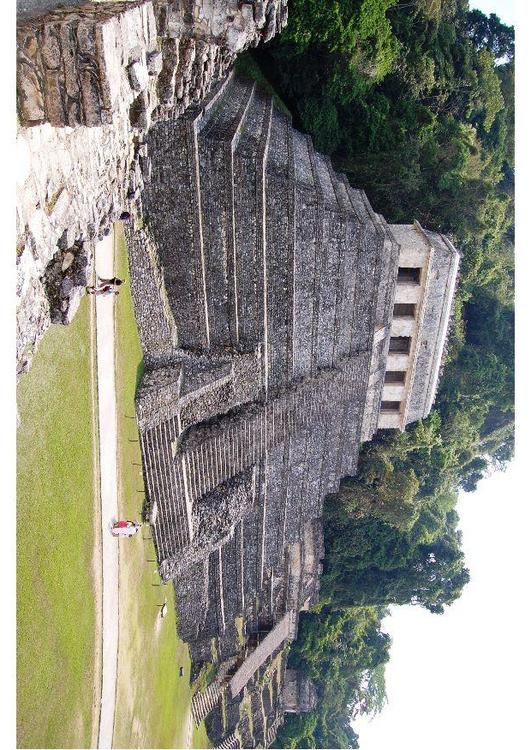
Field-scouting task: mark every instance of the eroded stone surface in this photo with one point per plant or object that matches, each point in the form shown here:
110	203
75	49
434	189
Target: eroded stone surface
259	278
91	82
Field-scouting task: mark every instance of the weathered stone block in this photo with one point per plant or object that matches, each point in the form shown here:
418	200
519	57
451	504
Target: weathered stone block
53	98
154	63
29	94
90	98
138	76
50	47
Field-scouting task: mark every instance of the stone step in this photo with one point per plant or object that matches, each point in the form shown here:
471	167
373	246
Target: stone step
349	247
222	119
229	743
348	458
192	603
304	176
166	488
279	239
334	440
276	481
249	219
333	228
157	330
296	471
232	592
368	271
215	588
323	175
308	214
273	729
216	143
320	254
203	702
170	204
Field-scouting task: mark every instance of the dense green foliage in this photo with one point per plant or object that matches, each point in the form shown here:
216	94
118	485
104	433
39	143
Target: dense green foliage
414	101
344	652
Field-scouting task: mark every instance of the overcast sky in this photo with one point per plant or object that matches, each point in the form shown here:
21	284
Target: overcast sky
459	680
503	8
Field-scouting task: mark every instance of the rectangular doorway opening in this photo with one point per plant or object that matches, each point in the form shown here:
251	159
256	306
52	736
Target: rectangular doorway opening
403	310
400	344
409	275
393	406
395	376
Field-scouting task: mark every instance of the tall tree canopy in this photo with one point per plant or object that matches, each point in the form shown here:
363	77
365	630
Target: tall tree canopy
414	101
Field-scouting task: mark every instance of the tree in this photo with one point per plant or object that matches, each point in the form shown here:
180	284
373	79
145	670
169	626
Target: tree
488	32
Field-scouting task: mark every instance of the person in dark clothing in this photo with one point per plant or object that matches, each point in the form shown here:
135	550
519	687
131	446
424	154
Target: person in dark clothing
115	281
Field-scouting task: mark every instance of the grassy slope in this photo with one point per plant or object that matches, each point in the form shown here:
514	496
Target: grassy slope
55	541
152	700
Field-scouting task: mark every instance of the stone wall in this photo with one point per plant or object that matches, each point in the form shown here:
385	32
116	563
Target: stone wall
431	339
91	80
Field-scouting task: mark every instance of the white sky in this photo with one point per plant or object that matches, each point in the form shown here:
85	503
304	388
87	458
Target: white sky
503	8
456	680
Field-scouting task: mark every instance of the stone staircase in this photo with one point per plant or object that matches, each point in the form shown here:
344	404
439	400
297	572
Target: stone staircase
273	729
272	275
203	702
230	742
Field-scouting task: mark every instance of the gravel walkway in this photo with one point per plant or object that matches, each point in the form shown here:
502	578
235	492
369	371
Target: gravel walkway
105	345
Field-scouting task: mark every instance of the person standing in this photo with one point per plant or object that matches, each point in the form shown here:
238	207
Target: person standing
103	291
115	281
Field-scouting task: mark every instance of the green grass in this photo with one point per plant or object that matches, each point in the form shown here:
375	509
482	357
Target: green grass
153	701
55	541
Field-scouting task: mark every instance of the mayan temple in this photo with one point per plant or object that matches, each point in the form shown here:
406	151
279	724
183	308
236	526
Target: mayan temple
283	322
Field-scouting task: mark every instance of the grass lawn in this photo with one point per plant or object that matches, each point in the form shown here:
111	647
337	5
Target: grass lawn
152	702
56	611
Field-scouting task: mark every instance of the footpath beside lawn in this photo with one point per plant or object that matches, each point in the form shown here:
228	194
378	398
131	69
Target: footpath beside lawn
153	701
59	556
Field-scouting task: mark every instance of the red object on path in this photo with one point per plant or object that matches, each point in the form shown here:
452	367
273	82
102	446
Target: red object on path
121	524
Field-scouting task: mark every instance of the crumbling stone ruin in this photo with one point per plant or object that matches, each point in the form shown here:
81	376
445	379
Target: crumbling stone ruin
91	80
300	694
275	309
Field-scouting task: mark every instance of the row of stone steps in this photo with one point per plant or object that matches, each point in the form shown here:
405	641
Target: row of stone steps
165	487
309	428
203	702
272	730
229	743
219	166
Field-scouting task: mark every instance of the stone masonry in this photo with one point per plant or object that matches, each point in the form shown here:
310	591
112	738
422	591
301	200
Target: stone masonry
263	288
91	80
268	301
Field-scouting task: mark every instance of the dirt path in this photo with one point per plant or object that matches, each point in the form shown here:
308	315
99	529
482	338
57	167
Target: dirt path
109	493
189	728
97	561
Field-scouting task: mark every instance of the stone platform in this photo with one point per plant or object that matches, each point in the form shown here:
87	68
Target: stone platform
263	287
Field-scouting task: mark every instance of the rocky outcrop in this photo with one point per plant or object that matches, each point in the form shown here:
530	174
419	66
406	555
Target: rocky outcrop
91	81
